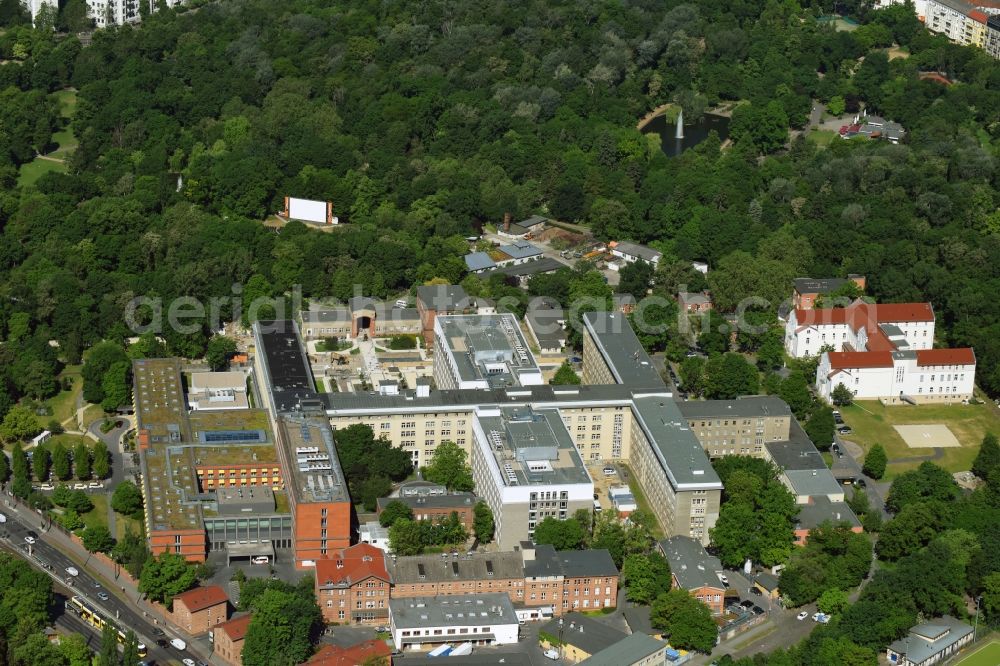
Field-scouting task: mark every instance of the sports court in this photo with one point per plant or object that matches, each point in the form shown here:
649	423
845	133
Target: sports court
985	655
927	436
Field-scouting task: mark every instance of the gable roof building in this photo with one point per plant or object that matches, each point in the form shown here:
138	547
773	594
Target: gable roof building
581	636
634	650
930	642
694	570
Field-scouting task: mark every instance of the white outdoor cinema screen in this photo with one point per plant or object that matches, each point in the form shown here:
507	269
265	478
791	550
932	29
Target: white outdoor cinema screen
307	210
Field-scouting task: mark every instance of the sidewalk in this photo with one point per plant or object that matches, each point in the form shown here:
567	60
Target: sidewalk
119	584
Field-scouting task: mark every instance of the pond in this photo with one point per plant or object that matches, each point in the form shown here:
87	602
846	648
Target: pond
694	133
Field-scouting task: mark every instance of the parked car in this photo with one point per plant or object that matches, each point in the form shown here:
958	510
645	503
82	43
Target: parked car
72	571
79	486
860	483
844	430
29	539
724	579
161	643
103	596
746	603
187	661
260	559
609	471
803	615
754	590
757	610
383	629
178	643
551	654
95	485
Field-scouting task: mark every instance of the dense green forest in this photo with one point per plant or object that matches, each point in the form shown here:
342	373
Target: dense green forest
423	121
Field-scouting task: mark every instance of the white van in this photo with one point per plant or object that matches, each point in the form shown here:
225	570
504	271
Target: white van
178	643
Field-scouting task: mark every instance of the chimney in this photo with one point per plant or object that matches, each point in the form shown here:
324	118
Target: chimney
506	221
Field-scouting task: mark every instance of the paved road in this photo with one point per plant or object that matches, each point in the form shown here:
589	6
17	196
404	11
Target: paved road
877	490
86	584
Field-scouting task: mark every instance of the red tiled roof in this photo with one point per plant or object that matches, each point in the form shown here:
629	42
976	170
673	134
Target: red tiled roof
235	629
858	314
351	565
959	356
333	655
978	16
201	598
878	341
846	360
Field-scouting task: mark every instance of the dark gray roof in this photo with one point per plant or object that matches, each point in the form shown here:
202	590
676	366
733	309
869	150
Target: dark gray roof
621	349
534	267
813	482
690	563
931	638
636	250
584	633
818	285
533	221
821	509
521	249
767	580
744	407
478	261
438	569
452	611
443	297
436	400
638	620
630	650
569	563
331	316
681	455
797	453
545	322
288	377
449	501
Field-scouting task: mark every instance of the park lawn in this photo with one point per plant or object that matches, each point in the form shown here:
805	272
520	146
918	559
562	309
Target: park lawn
99	515
35	169
983	655
123	524
67	102
63	404
643	503
821	138
872	422
67	143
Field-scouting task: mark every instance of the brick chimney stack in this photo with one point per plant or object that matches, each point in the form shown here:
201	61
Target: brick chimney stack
506	222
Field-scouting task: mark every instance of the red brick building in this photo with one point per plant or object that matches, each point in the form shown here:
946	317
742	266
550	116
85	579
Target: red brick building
369	652
694	570
227	639
436	507
353	586
569	580
198	610
694	302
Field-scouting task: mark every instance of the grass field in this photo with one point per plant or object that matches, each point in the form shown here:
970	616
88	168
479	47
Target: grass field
67	102
35	169
99	516
821	138
874	423
984	655
63	404
643	503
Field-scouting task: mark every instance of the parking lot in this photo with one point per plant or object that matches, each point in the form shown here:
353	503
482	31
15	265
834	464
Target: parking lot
602	482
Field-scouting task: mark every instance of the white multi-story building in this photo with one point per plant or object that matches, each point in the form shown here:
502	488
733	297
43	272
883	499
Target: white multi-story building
480	619
859	327
108	12
481	352
527	469
896	377
960	21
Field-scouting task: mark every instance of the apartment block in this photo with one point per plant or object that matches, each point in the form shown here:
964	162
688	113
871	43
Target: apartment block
353	585
569	580
737	427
